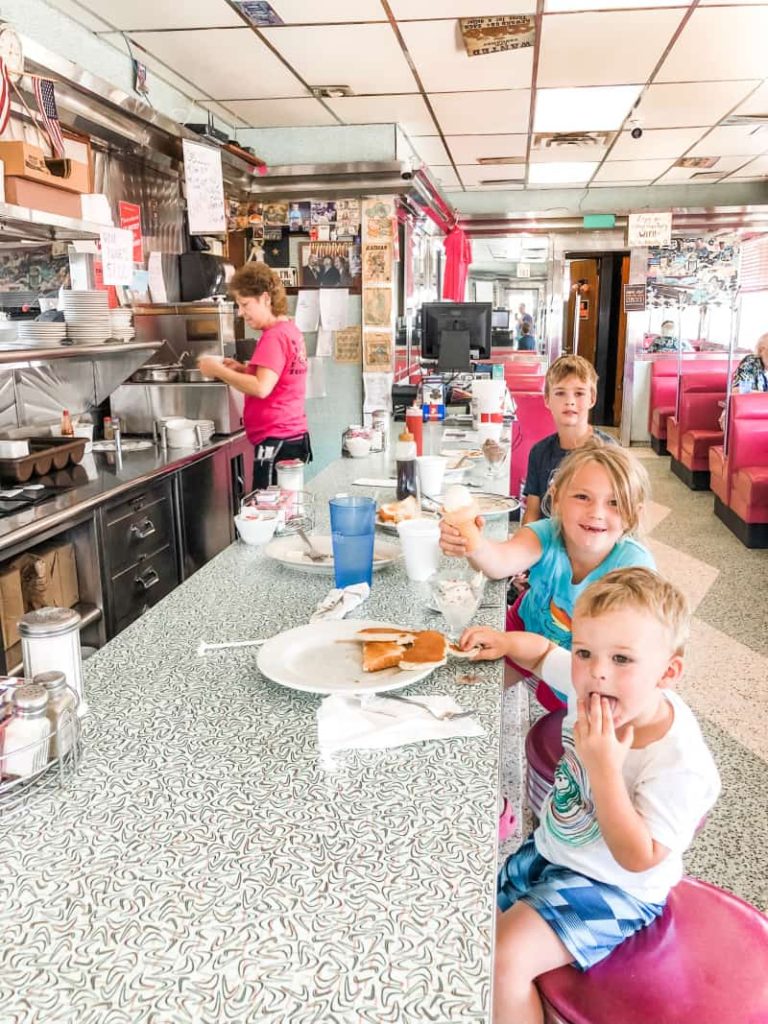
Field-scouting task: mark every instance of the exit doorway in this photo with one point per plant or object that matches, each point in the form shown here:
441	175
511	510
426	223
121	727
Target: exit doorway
595	324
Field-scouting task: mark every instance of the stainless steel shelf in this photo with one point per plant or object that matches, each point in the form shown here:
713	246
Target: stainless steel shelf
88	613
20	222
31	355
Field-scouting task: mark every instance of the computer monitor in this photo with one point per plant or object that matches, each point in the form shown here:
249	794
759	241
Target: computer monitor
500	320
454	353
470	318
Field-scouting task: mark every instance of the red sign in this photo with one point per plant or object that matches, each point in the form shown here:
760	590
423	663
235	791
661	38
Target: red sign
130	219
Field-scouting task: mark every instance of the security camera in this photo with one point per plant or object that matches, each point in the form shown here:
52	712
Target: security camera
637	131
406	175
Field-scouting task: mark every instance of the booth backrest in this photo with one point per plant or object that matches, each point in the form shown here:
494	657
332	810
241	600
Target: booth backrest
748	431
663	395
534	421
699	397
524	382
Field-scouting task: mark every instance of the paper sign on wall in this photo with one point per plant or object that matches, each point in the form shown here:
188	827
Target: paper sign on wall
205	188
377	350
347	345
649	229
116	255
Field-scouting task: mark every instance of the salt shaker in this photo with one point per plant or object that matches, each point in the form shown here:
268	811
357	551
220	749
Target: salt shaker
25	742
50	641
61	711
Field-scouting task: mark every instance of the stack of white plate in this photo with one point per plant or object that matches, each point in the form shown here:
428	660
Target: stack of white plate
87	316
121	321
207	429
41	333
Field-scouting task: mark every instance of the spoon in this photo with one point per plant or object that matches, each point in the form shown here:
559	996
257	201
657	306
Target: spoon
312	552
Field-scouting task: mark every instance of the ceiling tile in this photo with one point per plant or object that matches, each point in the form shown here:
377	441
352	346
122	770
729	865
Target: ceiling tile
301	113
445	176
409	111
734	140
690	104
365	57
151	14
431	150
631	170
225	63
607	48
671	142
301	12
467	149
570	173
155	66
81	15
410	10
473	174
723	166
757	102
557	6
590	109
718	43
482	113
754	169
224	113
437	50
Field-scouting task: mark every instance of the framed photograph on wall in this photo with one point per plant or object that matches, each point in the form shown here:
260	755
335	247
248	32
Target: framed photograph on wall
329	265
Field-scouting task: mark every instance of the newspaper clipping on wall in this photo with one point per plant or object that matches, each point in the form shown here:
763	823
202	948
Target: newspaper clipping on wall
377	263
377	307
377	350
347	345
347	219
377	220
494	34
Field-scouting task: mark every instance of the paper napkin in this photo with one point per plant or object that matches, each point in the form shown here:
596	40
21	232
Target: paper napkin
372	722
338	602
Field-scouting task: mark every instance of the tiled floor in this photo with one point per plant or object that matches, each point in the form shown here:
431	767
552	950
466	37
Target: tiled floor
726	678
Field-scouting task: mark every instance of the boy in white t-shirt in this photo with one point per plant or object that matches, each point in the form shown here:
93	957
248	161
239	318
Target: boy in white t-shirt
633	784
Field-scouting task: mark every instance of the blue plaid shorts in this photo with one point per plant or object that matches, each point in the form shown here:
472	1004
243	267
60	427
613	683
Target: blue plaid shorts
590	918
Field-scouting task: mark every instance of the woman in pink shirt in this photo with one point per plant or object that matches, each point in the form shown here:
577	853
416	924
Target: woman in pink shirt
275	380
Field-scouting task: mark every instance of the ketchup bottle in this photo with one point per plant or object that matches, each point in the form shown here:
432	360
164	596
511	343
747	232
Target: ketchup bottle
414	424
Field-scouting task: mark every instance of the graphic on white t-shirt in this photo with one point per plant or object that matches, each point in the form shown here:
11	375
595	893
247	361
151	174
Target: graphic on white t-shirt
569	814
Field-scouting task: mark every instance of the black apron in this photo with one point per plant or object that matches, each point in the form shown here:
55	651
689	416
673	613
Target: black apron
272	450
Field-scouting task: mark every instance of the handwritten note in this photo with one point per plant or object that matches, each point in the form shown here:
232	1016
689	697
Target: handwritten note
117	255
205	188
307	315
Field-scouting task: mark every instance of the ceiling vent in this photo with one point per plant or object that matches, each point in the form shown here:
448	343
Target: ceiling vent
707	176
500	181
500	161
747	120
573	140
330	92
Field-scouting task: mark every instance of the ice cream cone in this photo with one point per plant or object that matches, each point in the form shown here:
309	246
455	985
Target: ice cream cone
463	519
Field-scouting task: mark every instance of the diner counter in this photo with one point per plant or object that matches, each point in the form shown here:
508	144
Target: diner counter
99	478
209	863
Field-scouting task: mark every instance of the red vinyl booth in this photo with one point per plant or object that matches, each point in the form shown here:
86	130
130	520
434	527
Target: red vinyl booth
696	427
662	401
740	479
534	421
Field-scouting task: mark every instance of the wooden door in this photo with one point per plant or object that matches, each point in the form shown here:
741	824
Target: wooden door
585	275
621	341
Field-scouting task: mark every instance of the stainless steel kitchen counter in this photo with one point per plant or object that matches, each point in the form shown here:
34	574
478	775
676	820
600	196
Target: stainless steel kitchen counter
106	480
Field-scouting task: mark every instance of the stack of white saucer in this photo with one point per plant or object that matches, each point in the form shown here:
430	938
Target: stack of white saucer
87	316
42	333
122	324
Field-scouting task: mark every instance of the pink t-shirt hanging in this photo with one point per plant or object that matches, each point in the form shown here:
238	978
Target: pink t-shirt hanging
281	414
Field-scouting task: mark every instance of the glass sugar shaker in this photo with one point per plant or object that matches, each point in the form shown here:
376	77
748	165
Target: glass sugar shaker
61	711
50	642
25	742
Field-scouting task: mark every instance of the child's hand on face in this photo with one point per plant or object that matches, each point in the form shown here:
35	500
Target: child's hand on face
492	643
601	749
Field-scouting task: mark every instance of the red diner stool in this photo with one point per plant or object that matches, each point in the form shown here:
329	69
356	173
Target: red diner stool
543	749
703	961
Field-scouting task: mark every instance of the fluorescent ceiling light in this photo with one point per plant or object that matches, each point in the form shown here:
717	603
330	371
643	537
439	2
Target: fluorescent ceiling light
594	108
561	174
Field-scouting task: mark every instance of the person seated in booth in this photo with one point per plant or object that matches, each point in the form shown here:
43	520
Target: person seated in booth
526	341
667	342
752	372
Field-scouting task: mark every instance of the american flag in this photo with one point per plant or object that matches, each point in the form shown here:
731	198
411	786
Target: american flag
46	104
5	96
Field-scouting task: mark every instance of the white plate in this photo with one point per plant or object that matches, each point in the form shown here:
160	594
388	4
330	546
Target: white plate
311	659
292	553
388	527
490	504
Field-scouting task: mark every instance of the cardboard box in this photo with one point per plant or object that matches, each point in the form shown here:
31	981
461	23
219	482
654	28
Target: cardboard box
11	605
47	198
23	160
49	577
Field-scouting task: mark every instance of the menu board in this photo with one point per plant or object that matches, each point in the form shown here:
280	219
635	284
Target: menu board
205	188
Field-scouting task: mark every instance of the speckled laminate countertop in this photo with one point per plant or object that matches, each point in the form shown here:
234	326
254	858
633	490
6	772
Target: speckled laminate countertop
208	865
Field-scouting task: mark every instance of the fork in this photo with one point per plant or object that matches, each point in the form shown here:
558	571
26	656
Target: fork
441	716
312	552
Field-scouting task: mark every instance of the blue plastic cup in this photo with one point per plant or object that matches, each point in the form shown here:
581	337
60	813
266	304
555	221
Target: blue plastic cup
352	533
